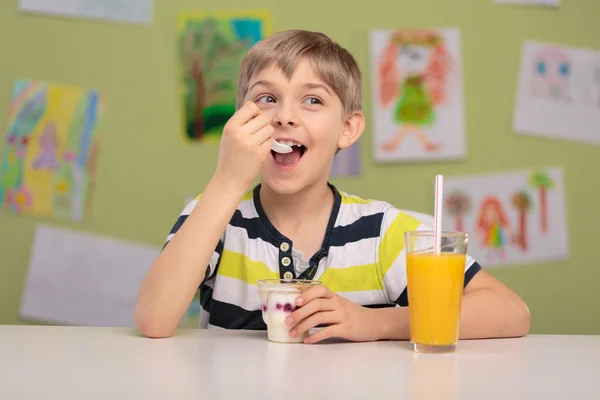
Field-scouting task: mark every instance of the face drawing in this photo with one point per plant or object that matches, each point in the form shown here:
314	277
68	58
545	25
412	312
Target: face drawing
551	75
413	59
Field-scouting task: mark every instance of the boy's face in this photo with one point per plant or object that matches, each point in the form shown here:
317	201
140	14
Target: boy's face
306	111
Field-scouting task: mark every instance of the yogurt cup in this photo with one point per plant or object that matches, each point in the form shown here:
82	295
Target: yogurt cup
278	301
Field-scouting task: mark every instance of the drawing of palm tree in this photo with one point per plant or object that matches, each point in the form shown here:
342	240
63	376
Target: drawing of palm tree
542	182
457	205
522	202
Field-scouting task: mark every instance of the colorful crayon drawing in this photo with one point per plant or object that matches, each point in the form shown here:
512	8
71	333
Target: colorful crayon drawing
417	94
558	92
211	48
551	75
511	218
457	205
493	226
49	161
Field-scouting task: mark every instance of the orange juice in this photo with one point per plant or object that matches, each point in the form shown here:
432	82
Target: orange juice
435	289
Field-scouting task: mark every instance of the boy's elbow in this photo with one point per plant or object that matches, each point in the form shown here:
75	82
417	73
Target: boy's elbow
151	326
522	319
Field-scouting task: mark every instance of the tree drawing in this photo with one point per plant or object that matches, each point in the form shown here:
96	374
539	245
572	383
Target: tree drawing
542	182
457	205
211	51
522	202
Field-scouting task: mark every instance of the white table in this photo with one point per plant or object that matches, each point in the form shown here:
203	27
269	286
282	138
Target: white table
98	363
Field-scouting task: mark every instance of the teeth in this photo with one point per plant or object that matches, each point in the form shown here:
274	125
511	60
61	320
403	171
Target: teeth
289	143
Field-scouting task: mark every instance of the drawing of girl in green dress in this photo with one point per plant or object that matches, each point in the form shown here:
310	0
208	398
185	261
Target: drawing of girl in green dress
413	72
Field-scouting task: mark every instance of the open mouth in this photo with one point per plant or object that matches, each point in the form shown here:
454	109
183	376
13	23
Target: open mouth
292	158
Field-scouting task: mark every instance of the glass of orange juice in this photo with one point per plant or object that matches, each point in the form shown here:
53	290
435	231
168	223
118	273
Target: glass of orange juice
435	287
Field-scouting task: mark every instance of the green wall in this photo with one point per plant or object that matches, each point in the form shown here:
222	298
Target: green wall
146	169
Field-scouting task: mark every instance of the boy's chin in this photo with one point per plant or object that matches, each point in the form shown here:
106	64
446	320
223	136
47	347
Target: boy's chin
284	187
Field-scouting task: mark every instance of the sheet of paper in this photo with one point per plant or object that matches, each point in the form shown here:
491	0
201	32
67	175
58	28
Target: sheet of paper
513	217
540	3
347	162
50	157
129	11
80	278
211	48
558	93
417	95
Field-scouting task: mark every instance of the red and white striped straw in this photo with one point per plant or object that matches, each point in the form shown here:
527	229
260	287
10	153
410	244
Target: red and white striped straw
437	228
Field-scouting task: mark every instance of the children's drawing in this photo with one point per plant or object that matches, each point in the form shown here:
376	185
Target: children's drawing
48	163
128	11
211	49
347	162
541	182
512	217
417	94
493	226
558	93
551	74
521	201
458	204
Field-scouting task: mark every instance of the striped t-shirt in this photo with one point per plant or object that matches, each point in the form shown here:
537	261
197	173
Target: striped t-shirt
362	258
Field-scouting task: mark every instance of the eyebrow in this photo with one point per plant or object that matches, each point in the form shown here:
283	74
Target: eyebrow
309	85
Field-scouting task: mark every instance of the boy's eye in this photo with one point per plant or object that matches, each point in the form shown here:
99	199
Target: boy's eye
313	101
266	99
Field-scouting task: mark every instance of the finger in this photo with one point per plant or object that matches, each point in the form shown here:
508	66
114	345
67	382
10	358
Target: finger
323	334
320	318
254	125
264	134
247	112
313	293
312	307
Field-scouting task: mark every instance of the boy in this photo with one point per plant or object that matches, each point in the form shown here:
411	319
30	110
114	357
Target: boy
302	89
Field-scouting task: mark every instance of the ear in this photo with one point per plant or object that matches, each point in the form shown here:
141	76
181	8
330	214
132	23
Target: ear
353	128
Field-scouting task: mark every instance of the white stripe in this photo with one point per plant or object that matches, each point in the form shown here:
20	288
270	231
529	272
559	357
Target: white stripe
237	292
352	254
350	213
247	209
395	279
255	249
189	208
366	297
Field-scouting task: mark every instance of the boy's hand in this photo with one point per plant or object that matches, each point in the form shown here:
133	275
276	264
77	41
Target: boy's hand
346	319
245	145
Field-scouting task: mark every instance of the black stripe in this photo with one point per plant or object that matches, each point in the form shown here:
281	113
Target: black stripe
178	224
206	294
229	316
471	272
379	305
253	226
402	300
365	227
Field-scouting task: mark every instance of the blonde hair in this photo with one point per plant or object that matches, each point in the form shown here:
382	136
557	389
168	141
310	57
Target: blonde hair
334	64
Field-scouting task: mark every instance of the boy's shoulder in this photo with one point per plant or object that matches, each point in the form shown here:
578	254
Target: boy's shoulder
356	208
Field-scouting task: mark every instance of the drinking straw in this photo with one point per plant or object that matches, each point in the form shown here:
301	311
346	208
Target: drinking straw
437	228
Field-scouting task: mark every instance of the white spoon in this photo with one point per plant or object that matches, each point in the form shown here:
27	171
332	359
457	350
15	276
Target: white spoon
281	148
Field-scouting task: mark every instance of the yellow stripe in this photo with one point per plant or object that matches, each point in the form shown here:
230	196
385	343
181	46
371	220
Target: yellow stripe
346	199
393	240
239	266
351	279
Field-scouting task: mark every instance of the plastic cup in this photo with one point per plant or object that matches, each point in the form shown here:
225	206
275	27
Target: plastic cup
435	288
278	298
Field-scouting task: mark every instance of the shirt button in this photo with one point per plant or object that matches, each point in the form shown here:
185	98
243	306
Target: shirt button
288	275
284	246
286	261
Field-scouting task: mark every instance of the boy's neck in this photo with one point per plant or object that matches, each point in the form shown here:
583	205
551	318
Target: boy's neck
291	212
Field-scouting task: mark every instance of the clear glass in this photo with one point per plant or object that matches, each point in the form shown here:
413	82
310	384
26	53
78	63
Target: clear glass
435	289
278	299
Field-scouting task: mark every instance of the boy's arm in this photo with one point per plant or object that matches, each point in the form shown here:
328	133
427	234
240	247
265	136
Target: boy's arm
174	277
176	274
489	310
